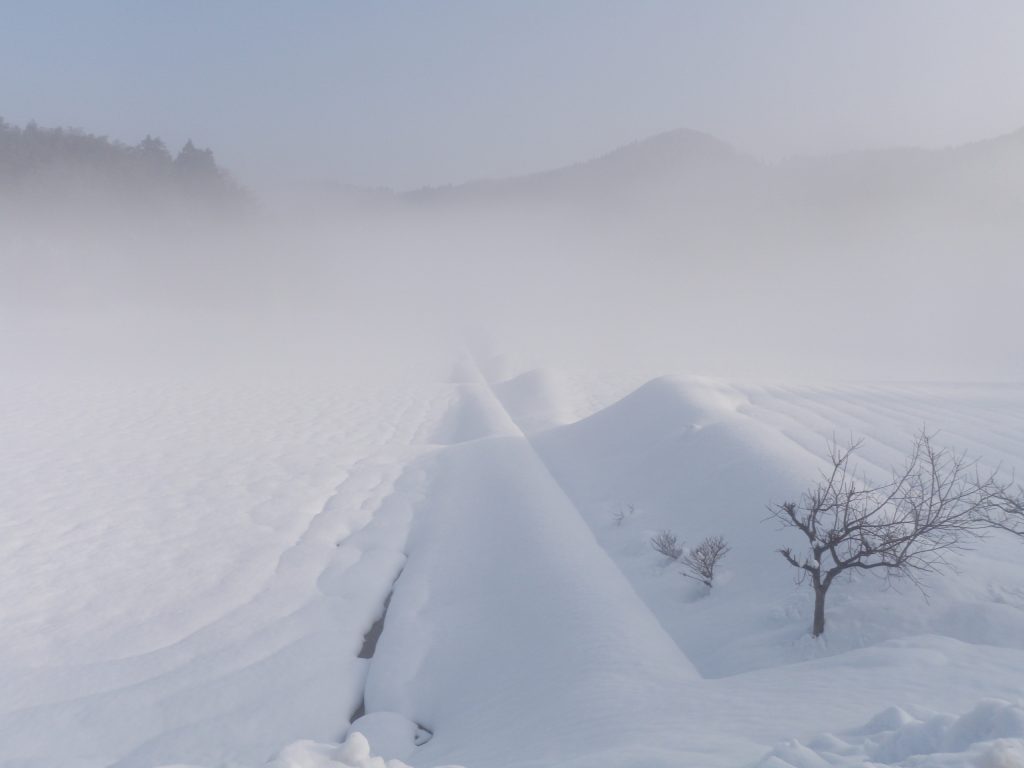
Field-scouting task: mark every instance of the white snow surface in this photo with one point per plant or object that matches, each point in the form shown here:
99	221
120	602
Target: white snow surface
989	736
189	564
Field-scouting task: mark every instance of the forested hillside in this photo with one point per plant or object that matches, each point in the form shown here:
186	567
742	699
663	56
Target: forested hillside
60	166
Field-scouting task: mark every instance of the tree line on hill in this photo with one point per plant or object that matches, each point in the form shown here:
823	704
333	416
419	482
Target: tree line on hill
43	165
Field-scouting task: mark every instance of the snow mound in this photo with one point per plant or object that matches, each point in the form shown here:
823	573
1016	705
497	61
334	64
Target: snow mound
354	753
394	736
989	736
474	413
678	402
535	400
465	371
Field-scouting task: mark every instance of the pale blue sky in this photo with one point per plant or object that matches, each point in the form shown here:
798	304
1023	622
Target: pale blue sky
410	93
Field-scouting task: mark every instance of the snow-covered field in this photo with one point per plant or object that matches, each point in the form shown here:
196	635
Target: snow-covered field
190	565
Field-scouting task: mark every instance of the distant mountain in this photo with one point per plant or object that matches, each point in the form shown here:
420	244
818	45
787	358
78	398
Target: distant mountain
692	192
997	163
698	166
676	162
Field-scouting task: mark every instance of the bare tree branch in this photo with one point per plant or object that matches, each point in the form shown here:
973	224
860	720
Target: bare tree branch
667	544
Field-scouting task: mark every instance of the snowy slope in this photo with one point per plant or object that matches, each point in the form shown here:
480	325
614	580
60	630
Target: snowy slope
189	566
701	458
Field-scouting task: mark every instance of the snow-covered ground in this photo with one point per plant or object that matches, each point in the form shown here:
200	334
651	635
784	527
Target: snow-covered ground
191	564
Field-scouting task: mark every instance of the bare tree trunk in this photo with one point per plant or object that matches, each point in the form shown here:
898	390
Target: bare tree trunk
818	628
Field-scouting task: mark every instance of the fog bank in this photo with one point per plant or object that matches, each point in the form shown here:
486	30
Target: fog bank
675	253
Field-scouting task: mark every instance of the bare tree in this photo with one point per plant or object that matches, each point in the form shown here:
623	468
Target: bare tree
700	562
667	544
903	528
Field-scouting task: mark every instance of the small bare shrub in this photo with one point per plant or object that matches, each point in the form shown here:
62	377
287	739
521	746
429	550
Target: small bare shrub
700	562
666	543
622	513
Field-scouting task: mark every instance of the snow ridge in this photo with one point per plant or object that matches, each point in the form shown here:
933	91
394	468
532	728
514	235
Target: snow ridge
991	735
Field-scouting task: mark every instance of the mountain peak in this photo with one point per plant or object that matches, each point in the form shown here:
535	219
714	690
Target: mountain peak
679	140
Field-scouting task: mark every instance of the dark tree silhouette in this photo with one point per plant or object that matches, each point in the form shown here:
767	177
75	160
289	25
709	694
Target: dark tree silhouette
197	163
153	153
66	164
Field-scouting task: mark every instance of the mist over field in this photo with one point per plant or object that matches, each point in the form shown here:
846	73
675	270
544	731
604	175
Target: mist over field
677	251
511	385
